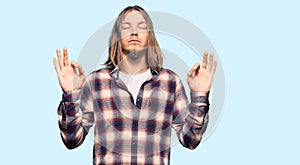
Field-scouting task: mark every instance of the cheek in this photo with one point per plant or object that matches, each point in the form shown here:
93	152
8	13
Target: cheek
123	42
124	37
125	33
144	37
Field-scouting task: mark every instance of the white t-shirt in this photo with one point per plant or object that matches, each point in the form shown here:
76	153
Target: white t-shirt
134	82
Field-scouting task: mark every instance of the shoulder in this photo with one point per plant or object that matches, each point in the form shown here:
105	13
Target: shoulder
102	74
168	74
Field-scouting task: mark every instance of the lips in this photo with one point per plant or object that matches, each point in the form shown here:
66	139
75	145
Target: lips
134	41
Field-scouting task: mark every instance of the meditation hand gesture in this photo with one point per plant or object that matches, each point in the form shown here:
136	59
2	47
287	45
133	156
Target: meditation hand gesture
200	79
70	76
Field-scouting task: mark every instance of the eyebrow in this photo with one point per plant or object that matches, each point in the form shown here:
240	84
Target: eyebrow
138	23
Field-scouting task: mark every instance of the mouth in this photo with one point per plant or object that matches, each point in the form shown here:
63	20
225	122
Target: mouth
134	41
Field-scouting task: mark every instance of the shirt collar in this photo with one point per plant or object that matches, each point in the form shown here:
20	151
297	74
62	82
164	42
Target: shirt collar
116	71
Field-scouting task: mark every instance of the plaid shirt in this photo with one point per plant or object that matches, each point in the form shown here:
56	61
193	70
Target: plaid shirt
128	133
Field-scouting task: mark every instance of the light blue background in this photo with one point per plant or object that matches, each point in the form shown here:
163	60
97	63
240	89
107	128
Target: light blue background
257	42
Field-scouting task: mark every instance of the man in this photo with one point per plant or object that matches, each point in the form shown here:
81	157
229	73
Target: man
133	102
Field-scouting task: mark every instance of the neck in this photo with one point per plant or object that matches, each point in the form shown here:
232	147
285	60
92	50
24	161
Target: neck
133	62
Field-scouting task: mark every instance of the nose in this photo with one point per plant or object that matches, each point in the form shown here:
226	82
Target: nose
134	32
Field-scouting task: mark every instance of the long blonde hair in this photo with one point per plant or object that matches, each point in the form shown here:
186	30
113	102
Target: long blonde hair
154	58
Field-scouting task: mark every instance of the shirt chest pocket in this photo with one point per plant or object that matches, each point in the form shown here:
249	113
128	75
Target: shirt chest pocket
158	106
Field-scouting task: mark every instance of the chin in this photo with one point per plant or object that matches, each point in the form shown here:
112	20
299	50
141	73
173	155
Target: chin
134	53
133	49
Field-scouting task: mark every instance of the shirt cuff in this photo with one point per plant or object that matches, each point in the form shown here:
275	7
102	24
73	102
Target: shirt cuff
199	98
71	96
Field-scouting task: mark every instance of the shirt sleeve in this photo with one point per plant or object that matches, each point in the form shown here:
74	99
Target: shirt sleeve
76	116
190	119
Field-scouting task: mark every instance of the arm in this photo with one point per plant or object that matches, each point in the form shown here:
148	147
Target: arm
190	120
191	125
75	111
76	116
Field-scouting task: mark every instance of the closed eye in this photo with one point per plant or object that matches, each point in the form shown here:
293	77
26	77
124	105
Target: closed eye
142	25
125	27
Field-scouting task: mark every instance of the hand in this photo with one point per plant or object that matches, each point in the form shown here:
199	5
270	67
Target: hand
200	79
68	77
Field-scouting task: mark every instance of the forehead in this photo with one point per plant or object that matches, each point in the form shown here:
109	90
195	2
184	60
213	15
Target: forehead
134	17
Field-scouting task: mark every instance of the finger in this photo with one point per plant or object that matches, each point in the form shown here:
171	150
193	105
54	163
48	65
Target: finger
60	61
74	65
57	69
66	58
193	69
204	63
213	70
81	72
210	63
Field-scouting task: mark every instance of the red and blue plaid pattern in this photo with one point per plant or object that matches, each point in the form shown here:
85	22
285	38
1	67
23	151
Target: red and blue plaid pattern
128	133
